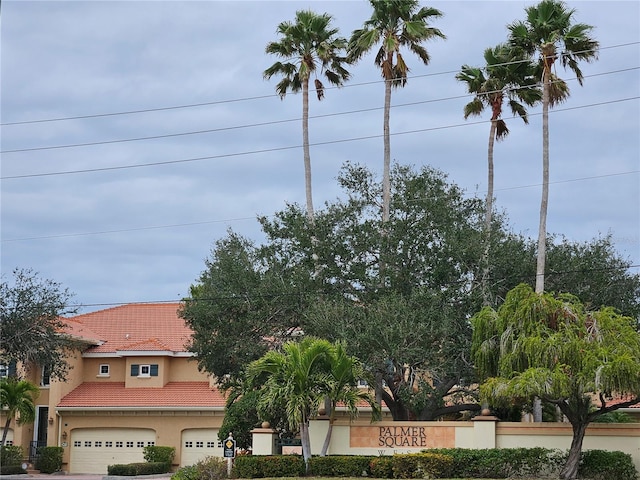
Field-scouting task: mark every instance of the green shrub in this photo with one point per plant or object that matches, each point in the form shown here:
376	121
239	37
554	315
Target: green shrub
603	465
11	455
49	459
422	465
381	467
130	469
12	470
211	468
157	453
260	466
186	473
340	466
502	462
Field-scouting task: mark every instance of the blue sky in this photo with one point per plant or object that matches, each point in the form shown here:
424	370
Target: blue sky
89	200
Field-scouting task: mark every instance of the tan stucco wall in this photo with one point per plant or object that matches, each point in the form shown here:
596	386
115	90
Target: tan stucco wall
483	433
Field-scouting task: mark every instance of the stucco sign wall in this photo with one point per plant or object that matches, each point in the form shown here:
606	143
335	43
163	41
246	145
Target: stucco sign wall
397	435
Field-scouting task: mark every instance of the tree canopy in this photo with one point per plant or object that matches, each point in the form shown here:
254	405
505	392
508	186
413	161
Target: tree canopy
410	327
549	346
31	325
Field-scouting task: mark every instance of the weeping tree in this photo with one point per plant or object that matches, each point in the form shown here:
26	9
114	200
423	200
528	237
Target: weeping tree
549	346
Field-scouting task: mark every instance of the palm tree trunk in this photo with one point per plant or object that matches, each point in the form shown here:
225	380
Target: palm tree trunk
542	229
386	174
570	469
486	300
306	442
327	438
6	429
305	148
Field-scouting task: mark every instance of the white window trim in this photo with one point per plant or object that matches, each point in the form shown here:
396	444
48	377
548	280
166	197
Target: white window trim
104	375
144	375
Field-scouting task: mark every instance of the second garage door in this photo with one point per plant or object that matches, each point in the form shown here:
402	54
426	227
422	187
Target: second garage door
199	443
94	449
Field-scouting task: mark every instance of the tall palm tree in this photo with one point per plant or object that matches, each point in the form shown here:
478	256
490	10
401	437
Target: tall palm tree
296	376
18	398
344	373
507	78
549	34
307	46
394	24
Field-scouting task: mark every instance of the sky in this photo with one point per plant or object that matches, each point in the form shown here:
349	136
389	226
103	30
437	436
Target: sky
136	134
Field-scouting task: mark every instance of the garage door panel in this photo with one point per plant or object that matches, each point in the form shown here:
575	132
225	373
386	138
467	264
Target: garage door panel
94	449
198	444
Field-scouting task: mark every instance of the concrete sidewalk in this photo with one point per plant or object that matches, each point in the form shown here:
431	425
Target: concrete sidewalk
80	476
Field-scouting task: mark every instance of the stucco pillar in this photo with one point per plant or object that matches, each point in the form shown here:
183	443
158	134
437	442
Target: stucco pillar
484	431
263	441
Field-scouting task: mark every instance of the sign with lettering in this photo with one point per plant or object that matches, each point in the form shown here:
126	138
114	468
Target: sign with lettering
229	448
401	436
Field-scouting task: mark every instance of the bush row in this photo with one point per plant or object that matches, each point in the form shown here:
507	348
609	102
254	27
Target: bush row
143	468
49	459
435	463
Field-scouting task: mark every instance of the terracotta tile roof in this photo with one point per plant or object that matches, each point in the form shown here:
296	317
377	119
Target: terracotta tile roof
139	326
115	395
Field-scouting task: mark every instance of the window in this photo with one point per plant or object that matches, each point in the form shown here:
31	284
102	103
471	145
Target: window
4	370
103	371
199	444
87	444
211	444
144	370
108	444
140	444
188	444
45	379
151	444
118	444
77	443
129	444
98	443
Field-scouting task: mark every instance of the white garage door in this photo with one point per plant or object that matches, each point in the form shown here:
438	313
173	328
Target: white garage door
93	449
9	440
199	443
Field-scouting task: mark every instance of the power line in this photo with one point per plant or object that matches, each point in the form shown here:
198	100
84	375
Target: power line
276	122
208	222
321	293
290	147
259	97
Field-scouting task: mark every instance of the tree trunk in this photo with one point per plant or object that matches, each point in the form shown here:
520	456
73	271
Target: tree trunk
6	429
484	287
386	172
306	443
327	438
542	229
570	469
305	148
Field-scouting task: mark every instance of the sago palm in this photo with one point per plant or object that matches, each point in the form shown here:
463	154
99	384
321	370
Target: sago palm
549	34
309	46
505	77
394	25
17	399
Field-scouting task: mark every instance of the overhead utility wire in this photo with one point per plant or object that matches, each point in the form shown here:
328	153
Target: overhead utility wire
157	227
275	122
291	147
300	294
259	97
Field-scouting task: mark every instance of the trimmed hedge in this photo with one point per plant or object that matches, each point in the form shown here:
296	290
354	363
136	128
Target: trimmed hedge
49	459
260	466
441	463
157	453
11	455
143	468
603	465
12	470
422	465
340	466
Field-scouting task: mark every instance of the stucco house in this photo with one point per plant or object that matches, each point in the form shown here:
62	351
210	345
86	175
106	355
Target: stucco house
135	384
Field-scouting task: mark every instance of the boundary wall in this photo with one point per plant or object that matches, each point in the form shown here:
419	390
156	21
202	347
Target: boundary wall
360	437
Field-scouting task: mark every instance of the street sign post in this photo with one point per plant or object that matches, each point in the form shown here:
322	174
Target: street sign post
229	452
